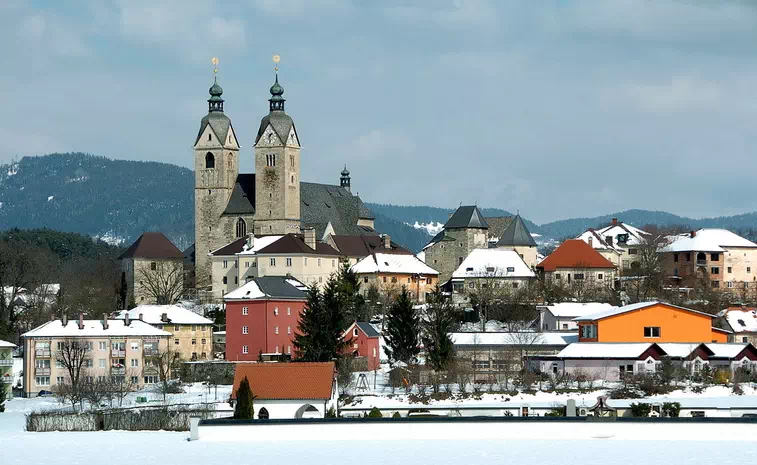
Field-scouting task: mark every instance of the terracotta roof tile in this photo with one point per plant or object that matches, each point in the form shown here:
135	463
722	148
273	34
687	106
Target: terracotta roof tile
287	380
574	253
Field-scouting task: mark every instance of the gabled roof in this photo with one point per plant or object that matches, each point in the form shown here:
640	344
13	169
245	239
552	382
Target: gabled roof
597	241
468	216
363	326
6	345
176	314
231	248
728	351
635	235
516	234
270	287
287	381
281	124
742	320
607	350
574	253
219	124
152	245
707	240
493	263
392	263
632	308
362	246
94	328
295	244
575	309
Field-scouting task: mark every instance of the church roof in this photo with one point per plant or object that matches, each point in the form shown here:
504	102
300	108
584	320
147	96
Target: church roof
152	245
242	200
517	234
219	123
279	121
468	216
362	246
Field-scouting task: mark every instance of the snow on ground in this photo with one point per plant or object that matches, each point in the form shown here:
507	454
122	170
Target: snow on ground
49	198
431	228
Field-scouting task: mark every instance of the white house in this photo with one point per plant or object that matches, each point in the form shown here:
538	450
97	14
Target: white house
491	267
559	317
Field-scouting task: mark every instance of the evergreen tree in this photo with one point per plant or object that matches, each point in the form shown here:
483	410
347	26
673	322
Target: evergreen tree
437	326
402	330
322	324
244	410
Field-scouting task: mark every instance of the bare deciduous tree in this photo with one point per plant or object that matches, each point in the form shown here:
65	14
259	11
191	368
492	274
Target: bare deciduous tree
161	281
167	362
72	355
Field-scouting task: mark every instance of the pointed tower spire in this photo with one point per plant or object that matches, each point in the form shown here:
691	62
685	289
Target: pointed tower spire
215	102
344	181
277	100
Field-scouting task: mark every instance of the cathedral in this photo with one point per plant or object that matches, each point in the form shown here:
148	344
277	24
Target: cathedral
230	205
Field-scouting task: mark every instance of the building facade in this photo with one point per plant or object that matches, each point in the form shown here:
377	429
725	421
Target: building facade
390	272
364	343
465	231
496	268
561	316
6	367
152	267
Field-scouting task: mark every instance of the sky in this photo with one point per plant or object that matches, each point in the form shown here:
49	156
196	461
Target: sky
555	108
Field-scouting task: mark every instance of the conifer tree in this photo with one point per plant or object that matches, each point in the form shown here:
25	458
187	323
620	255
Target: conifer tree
437	326
244	410
348	289
322	324
402	330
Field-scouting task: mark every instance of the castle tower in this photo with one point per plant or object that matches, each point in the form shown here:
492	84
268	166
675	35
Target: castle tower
216	152
277	170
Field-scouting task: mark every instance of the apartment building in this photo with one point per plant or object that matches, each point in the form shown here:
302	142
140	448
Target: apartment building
191	334
113	349
6	366
389	272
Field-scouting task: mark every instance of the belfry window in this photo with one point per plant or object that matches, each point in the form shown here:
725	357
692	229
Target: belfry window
270	160
210	161
241	228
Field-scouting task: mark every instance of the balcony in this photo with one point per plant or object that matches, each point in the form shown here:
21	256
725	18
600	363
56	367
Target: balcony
42	371
118	353
149	351
701	262
42	352
6	362
6	379
150	370
117	370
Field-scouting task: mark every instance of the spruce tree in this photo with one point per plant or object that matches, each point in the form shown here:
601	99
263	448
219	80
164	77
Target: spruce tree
244	410
437	326
348	288
322	324
402	330
308	340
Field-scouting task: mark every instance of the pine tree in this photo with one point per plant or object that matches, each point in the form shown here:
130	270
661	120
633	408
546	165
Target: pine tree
348	288
244	410
322	325
402	330
438	324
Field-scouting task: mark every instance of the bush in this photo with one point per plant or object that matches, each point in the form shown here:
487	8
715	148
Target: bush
556	412
175	418
374	413
721	377
640	410
331	412
396	415
671	409
244	409
737	390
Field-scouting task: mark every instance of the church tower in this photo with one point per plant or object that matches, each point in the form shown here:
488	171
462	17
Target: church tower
277	170
216	153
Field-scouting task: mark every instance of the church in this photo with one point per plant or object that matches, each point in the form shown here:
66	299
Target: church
230	205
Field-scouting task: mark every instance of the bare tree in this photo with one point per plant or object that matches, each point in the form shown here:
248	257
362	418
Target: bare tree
167	362
122	385
161	281
72	355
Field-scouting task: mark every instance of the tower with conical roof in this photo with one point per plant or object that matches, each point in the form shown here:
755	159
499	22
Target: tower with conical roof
216	154
517	237
344	181
277	169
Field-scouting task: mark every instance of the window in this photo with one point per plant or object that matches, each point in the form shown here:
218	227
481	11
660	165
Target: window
153	266
245	311
210	137
289	262
394	279
749	269
273	262
511	269
88	363
270	160
59	380
152	379
245	350
276	351
306	261
135	346
203	341
716	284
194	342
241	228
176	328
355	332
632	251
246	264
134	363
516	284
175	342
714	270
565	326
490	269
43	380
59	364
365	279
319	262
729	270
59	346
289	349
101	363
745	339
276	330
600	276
102	345
651	331
578	276
384	278
276	311
225	264
730	284
333	263
589	331
245	329
225	280
675	257
714	257
408	279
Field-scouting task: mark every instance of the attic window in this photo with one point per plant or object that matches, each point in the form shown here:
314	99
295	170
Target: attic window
490	269
741	322
469	269
511	269
386	263
210	137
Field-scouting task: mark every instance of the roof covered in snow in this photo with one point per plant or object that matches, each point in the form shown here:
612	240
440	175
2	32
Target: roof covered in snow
392	263
707	240
636	236
593	238
175	314
742	320
493	263
258	243
6	344
524	338
94	328
726	350
575	309
631	308
602	350
280	287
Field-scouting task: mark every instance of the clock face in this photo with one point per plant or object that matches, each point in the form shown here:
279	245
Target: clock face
269	136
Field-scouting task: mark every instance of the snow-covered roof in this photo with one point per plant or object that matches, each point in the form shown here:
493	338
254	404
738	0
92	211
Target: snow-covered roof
679	349
176	314
742	320
630	350
269	286
596	241
392	263
707	240
259	243
575	309
635	235
6	344
493	263
94	328
520	338
630	308
725	350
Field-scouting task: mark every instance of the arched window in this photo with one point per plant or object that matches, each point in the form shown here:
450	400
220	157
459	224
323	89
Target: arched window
263	414
241	228
210	161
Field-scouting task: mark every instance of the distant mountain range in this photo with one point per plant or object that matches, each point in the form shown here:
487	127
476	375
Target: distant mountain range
117	200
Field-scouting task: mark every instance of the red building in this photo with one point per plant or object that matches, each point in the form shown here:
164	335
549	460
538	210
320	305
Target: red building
262	317
364	342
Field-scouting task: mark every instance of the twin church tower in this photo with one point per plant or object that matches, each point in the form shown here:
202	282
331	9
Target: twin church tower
229	205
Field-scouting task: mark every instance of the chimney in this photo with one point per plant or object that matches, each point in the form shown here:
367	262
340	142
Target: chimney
64	319
81	321
164	317
141	317
614	221
52	317
250	241
310	237
591	242
127	320
693	234
105	321
387	241
608	239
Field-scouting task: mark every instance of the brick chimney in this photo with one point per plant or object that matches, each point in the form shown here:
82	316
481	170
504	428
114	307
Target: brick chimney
127	320
64	319
141	317
387	241
693	234
309	234
105	321
81	321
614	221
164	317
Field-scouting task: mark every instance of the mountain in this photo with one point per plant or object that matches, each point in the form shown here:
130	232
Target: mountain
117	200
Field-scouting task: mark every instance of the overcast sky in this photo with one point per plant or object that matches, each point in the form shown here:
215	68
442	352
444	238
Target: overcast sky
558	108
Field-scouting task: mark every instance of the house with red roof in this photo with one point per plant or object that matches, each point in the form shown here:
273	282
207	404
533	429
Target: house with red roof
152	265
289	390
577	263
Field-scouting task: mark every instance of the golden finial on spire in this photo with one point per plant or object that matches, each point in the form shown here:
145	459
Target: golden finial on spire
276	59
214	60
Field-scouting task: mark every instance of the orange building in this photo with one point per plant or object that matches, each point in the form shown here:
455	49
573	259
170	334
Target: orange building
649	322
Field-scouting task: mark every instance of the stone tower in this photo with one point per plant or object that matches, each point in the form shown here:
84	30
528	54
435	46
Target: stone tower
216	152
277	170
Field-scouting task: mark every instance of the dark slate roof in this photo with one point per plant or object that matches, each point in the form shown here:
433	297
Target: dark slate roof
189	255
242	200
362	246
294	244
517	234
367	328
231	248
219	123
280	122
468	216
440	236
279	286
152	245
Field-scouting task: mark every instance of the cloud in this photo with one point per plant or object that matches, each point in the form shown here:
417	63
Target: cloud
457	14
681	93
50	36
303	8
